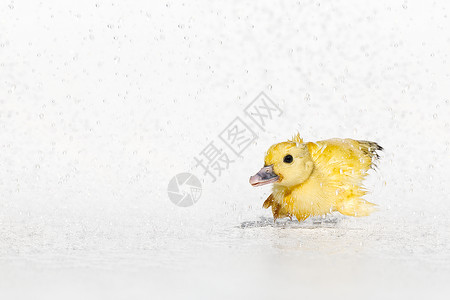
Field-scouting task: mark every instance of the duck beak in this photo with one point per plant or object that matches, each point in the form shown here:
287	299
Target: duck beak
265	176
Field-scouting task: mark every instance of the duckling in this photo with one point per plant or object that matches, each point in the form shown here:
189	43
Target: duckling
317	178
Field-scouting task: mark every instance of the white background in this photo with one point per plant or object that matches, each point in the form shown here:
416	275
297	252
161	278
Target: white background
102	103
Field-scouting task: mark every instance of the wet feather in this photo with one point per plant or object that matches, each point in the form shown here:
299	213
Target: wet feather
323	177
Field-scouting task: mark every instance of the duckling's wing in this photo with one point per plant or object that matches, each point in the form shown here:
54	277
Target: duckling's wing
345	157
344	163
370	150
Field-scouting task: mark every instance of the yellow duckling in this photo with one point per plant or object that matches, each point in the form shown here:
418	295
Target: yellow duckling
312	179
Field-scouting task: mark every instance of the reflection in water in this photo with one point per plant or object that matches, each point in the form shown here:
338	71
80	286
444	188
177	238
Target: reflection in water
328	221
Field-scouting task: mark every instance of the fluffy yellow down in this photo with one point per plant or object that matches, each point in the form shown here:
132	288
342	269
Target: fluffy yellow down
326	176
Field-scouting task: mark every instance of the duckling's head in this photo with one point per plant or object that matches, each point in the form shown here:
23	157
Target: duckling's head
286	164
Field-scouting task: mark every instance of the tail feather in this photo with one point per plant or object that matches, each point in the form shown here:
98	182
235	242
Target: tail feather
370	149
356	207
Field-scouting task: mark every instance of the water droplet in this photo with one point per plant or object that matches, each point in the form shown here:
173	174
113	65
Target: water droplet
307	97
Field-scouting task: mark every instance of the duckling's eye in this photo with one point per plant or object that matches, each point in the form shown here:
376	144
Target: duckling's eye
288	159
